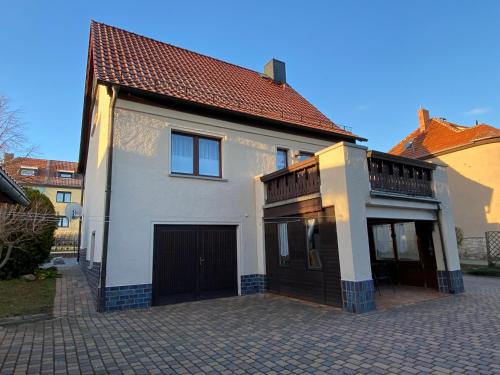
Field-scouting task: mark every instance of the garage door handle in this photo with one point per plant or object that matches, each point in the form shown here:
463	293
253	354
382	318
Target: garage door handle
201	261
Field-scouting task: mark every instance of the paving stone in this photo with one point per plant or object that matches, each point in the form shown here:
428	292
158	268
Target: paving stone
258	334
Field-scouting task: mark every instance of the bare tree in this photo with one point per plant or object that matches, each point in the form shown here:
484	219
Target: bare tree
19	225
12	131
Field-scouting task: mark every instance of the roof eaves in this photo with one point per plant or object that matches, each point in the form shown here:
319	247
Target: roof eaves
324	130
13	191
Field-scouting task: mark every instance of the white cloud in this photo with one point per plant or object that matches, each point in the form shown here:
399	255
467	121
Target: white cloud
478	111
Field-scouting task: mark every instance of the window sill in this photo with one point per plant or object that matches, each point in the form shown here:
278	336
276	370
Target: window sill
207	178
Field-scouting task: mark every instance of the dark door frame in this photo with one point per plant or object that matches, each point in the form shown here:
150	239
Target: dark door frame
198	293
427	269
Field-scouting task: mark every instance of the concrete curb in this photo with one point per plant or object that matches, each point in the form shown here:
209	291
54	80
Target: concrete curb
25	319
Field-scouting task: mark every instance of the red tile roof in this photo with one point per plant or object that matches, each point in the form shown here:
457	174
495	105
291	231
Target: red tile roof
127	59
441	136
46	172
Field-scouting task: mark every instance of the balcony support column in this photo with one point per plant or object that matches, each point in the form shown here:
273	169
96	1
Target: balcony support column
445	241
345	185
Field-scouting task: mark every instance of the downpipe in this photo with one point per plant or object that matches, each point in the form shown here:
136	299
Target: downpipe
451	290
107	208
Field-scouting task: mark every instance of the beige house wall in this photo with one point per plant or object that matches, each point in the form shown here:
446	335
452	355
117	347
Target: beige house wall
95	176
51	193
474	183
145	193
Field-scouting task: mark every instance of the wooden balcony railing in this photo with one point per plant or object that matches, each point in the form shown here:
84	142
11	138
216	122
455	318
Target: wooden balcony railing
297	180
394	174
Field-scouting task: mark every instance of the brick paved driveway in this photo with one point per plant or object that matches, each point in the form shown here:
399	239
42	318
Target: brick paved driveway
260	334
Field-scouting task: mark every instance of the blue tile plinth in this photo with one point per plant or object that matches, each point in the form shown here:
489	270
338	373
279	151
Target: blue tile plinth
251	284
358	296
455	279
127	297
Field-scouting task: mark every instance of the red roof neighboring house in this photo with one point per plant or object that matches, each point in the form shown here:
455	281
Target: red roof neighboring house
436	136
42	172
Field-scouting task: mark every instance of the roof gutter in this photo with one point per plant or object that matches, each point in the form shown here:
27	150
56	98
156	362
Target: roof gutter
12	190
243	115
101	305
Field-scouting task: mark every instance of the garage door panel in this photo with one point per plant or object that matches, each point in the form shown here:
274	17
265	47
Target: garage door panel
194	261
218	266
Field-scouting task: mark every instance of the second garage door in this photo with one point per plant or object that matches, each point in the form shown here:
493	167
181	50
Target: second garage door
194	262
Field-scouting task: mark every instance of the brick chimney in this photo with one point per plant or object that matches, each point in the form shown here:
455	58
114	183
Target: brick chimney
423	119
7	157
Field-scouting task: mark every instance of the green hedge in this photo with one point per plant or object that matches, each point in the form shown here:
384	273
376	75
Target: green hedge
35	253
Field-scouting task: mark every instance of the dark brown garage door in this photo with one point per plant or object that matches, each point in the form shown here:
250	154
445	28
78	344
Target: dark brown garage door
194	262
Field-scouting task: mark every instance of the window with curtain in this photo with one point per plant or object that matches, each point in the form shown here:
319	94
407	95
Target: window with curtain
281	158
283	244
182	154
312	232
406	241
209	157
382	238
195	155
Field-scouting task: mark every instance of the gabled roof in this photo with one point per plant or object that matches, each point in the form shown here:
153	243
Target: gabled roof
46	172
134	61
441	136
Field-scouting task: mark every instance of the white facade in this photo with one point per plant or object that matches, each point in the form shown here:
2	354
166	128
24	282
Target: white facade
145	193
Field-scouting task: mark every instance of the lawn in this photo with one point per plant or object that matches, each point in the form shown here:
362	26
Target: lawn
19	297
483	271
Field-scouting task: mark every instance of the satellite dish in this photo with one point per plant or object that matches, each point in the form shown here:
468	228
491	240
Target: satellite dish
73	211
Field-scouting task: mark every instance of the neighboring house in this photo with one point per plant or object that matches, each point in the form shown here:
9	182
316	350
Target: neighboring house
10	191
57	179
205	179
472	155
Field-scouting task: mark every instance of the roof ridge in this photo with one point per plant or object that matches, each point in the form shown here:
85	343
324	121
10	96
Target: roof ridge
41	159
182	48
449	125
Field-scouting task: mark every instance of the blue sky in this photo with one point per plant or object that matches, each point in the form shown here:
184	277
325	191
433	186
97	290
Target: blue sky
366	64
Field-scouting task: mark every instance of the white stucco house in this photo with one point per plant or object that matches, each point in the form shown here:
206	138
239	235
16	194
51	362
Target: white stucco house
204	179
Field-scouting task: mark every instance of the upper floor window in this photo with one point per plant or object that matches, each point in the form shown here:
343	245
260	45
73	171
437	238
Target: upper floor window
63	197
62	222
196	155
64	174
281	158
27	171
304	155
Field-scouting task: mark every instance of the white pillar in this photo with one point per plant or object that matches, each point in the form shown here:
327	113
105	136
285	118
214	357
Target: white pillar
345	185
449	275
442	194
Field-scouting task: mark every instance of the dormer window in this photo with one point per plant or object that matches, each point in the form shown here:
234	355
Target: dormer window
27	171
64	174
409	144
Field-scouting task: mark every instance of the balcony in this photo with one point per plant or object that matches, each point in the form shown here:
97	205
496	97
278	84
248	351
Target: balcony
394	174
299	179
